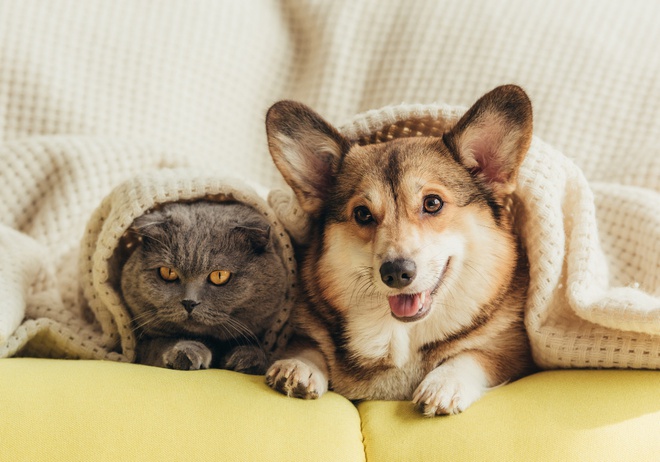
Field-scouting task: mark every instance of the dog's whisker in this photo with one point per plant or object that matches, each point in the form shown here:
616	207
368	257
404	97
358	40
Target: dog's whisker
353	285
360	283
476	271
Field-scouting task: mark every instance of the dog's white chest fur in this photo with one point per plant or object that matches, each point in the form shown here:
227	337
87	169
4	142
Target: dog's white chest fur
377	336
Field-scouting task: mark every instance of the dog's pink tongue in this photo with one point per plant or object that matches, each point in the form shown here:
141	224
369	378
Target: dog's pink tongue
405	305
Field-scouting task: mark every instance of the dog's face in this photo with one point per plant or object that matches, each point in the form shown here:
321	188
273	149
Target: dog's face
394	227
410	227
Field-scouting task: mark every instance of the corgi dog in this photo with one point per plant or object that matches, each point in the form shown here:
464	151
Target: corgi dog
414	282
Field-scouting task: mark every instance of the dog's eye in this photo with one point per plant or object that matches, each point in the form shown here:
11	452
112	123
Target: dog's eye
362	215
433	204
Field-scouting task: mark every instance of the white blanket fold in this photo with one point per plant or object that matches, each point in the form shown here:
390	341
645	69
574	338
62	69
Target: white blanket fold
594	253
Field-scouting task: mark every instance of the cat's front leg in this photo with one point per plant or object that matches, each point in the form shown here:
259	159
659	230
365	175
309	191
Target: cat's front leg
304	374
248	359
174	354
188	355
453	386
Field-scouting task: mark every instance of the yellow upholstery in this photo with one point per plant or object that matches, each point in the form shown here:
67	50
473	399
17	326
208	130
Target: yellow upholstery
550	416
94	410
54	410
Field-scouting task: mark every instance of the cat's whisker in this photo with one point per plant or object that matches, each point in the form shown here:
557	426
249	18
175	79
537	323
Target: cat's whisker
242	330
142	320
148	323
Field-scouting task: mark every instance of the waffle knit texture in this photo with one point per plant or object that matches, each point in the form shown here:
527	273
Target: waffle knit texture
95	92
575	316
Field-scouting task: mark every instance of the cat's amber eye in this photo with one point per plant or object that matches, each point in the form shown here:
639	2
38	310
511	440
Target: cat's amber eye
219	277
168	274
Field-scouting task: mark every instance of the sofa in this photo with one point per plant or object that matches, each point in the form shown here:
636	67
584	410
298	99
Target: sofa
93	92
104	410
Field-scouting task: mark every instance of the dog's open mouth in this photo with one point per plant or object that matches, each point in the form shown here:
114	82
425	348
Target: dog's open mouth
413	307
410	307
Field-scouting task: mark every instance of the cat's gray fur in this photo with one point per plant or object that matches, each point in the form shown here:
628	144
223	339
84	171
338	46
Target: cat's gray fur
226	328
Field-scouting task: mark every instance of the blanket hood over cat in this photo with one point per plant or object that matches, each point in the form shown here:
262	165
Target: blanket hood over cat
106	245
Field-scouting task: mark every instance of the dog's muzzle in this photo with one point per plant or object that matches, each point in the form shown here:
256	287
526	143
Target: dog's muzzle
408	307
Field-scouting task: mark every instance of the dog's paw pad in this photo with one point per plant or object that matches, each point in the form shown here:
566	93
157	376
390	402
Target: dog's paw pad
447	391
293	377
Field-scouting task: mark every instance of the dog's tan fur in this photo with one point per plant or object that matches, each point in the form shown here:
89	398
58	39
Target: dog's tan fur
470	335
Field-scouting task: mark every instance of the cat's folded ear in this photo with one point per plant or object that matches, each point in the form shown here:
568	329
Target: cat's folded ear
147	227
144	222
307	150
256	236
493	137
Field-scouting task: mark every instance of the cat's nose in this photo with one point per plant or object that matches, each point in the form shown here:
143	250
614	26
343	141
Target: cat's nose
189	305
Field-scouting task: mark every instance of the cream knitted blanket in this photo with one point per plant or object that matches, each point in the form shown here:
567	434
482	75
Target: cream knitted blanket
581	309
94	92
97	324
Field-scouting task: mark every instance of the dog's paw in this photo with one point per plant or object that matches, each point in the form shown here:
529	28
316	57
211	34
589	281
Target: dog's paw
187	355
450	388
247	359
296	378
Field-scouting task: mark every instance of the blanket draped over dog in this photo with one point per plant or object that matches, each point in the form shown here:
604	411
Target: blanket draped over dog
586	304
93	93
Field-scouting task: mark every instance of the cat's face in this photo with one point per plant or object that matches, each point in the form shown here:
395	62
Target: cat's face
203	269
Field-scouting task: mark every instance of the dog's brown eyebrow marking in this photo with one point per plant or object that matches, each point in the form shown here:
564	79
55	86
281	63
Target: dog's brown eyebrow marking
472	198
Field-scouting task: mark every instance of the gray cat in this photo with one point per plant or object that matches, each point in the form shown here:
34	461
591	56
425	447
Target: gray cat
203	286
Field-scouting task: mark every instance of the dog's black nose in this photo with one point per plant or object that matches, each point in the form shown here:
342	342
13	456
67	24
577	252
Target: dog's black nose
398	273
189	305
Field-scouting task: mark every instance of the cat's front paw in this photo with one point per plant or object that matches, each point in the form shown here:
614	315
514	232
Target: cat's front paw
247	359
296	378
187	355
450	388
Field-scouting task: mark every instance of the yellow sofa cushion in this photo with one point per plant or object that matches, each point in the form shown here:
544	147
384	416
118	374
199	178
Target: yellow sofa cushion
95	410
551	416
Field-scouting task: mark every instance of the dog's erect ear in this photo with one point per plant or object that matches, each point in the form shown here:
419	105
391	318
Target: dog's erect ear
493	136
306	149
